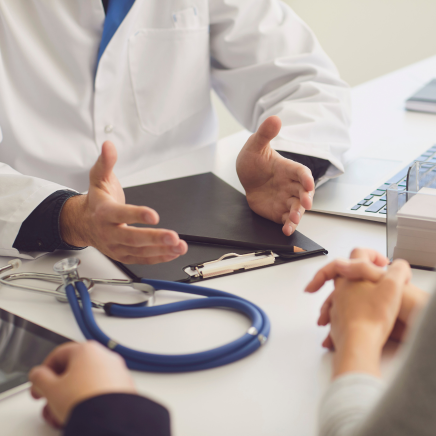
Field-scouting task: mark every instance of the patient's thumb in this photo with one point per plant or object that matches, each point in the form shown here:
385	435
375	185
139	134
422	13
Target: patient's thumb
43	379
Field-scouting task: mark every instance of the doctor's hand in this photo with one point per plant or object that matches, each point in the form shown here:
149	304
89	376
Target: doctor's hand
277	188
76	372
101	219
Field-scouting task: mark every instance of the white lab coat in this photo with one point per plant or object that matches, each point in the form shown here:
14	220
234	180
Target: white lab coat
150	94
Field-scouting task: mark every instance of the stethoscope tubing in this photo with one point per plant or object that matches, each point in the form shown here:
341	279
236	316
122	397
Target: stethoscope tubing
137	360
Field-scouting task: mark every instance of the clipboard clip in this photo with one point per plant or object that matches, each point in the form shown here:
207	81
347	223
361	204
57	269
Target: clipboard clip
268	258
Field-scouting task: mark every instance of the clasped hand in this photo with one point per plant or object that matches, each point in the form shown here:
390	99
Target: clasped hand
368	305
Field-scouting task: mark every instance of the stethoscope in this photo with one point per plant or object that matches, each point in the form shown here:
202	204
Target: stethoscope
75	290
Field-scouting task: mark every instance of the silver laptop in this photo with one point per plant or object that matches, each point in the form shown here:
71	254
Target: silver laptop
361	191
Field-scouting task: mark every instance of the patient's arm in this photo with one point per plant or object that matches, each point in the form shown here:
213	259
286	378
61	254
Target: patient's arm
359	405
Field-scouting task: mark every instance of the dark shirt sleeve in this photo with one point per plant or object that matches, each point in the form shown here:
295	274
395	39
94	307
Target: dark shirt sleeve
317	165
40	231
118	415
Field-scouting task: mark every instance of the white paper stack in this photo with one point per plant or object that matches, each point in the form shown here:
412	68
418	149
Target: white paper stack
416	229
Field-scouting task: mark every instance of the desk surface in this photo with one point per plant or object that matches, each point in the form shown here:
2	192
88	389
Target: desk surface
276	390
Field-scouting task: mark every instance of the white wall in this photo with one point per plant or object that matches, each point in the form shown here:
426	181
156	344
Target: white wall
365	38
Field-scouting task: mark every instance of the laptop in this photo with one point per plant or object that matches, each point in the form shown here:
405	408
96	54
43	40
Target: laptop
361	191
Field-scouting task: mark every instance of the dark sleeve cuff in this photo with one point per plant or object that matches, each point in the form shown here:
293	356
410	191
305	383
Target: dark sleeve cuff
118	415
40	231
317	165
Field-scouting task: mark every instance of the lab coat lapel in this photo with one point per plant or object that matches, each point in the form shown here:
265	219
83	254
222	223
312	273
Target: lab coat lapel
113	62
116	12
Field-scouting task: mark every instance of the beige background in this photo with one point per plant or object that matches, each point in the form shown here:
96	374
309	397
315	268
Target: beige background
365	38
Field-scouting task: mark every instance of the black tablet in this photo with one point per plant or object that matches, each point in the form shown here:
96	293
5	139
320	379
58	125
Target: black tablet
23	345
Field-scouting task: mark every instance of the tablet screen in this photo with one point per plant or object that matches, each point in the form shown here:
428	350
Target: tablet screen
23	345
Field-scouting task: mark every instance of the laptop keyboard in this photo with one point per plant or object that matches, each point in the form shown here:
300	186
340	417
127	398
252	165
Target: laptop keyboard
376	201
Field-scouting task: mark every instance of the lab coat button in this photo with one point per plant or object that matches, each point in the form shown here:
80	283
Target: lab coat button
109	128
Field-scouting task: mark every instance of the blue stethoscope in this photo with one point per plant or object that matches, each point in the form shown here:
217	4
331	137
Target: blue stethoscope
77	293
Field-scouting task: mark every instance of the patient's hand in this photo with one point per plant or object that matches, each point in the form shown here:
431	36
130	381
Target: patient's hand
75	372
366	264
362	315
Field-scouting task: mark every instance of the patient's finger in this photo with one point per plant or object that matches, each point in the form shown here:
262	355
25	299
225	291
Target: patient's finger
328	343
397	275
398	332
49	418
370	255
328	272
60	357
324	317
360	269
353	269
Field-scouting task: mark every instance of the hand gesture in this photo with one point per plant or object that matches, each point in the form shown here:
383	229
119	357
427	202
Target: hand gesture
101	219
276	188
366	264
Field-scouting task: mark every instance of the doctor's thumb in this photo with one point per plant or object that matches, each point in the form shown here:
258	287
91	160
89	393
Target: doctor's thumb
105	163
267	131
43	380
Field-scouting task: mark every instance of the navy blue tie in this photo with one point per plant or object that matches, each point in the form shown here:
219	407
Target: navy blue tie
116	11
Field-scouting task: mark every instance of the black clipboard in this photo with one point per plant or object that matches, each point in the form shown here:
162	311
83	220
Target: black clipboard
215	220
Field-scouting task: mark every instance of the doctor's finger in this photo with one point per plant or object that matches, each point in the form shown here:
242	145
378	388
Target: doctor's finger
153	250
296	209
140	237
147	260
118	213
301	174
370	255
296	189
292	218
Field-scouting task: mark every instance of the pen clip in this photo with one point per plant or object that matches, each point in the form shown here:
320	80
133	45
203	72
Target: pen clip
268	258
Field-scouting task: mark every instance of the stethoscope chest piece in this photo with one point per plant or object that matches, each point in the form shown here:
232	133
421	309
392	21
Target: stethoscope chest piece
68	269
67	273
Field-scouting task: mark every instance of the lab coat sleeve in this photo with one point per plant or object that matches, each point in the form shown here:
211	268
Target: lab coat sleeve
266	61
19	196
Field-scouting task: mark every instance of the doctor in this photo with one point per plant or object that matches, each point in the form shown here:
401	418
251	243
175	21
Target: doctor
78	76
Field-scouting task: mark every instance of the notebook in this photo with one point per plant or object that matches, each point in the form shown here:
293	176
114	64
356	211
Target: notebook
423	100
215	220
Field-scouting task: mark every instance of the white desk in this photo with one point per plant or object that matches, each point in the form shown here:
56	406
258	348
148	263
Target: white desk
276	390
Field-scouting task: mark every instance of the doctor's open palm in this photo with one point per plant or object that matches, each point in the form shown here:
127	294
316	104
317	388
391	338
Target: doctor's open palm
101	219
277	188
